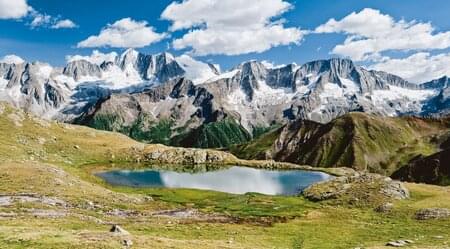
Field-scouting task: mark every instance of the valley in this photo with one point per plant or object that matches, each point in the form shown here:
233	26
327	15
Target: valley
51	199
213	124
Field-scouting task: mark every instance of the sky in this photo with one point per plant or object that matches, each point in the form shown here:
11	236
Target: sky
409	38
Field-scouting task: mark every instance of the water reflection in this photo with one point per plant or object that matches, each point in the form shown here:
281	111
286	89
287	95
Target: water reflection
236	180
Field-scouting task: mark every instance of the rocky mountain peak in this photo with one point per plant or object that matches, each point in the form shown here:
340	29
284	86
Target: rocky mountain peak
440	83
79	68
127	58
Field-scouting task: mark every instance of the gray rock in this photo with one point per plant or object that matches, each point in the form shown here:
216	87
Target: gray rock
433	213
116	229
399	243
80	68
357	188
384	208
127	243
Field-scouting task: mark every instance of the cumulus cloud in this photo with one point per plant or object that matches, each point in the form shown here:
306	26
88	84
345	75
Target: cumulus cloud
420	67
17	9
370	33
96	57
124	33
47	21
13	9
11	59
64	24
230	27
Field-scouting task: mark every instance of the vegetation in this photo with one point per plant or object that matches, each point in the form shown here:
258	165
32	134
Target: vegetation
219	134
257	148
356	140
46	169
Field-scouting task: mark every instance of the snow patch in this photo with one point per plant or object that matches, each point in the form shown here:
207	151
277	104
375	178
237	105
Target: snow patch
96	57
11	59
350	86
44	71
196	71
227	75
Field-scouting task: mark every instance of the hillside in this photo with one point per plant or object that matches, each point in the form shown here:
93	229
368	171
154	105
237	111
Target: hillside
433	169
357	140
50	199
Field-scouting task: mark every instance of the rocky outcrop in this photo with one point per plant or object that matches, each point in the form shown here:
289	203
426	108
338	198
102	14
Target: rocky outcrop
433	214
358	189
171	155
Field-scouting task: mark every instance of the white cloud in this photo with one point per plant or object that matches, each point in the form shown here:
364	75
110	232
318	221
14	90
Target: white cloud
420	67
230	27
16	9
370	33
40	20
11	59
64	24
13	9
96	57
124	33
47	21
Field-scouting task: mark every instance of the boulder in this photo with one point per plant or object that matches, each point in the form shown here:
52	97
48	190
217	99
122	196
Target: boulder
116	229
384	208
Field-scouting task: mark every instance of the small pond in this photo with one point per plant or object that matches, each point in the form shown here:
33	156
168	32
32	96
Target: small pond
235	180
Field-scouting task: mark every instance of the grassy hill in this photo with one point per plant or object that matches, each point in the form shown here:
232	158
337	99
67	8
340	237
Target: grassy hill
50	199
357	140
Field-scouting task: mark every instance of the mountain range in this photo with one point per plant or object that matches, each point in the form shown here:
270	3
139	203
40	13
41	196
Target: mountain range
181	101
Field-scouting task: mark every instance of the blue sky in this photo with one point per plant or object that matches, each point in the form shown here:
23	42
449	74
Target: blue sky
43	43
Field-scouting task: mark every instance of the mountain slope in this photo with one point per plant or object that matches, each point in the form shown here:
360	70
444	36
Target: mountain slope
155	98
358	140
433	169
65	93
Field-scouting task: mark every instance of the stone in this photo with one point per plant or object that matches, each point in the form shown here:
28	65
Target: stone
433	213
384	208
127	243
396	243
118	230
399	243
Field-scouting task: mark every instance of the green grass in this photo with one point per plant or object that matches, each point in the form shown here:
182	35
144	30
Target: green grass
357	140
256	148
57	160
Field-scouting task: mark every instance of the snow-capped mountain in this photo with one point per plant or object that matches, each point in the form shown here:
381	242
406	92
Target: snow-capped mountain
138	90
64	93
319	90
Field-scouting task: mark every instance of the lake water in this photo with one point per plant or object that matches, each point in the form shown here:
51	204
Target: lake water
236	180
